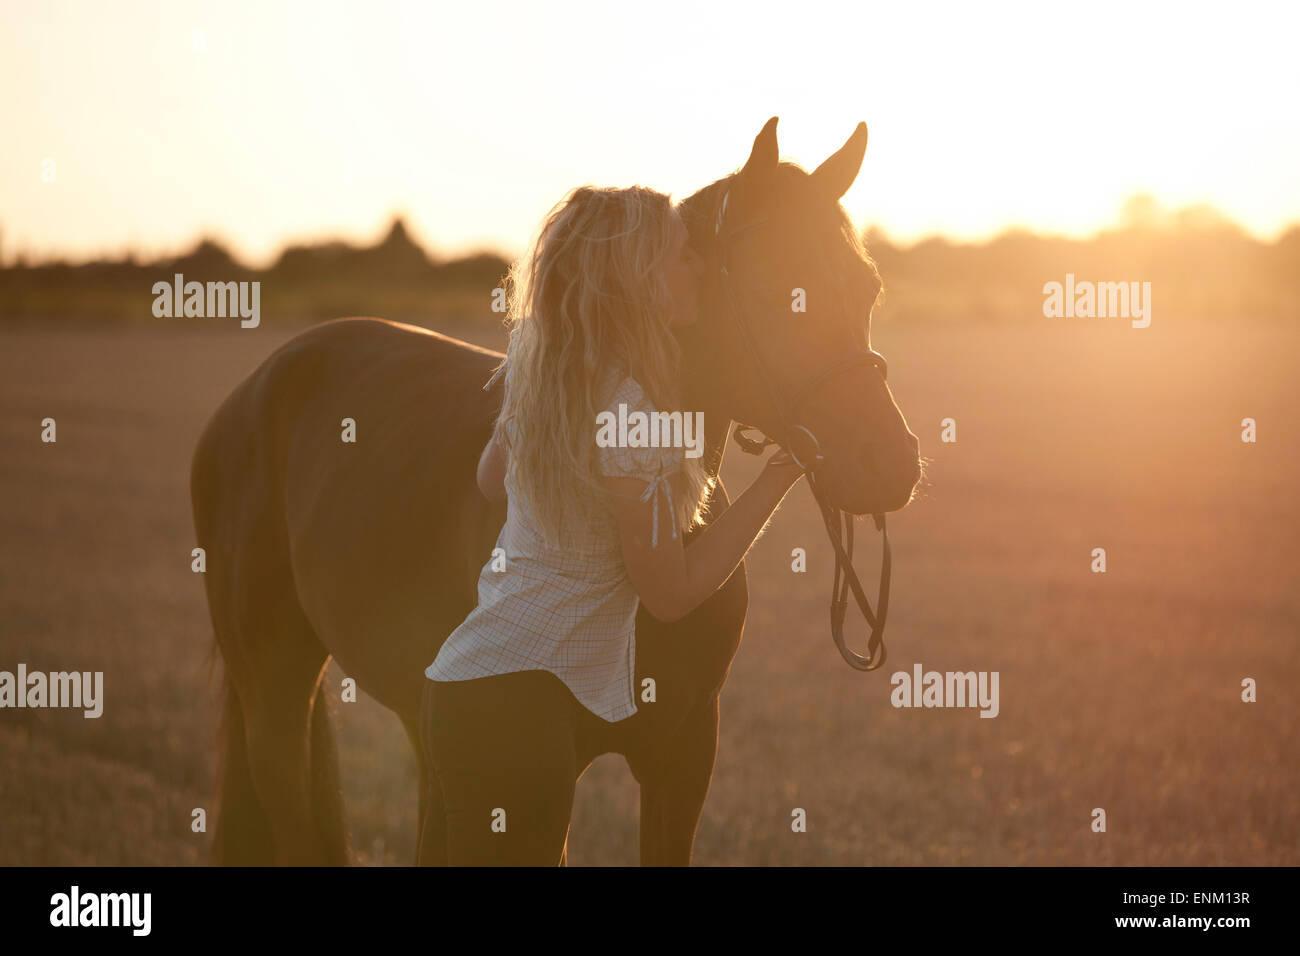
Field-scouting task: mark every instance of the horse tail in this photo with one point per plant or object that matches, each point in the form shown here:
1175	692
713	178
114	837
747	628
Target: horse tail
242	834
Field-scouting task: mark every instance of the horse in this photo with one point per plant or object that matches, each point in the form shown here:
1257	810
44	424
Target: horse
368	551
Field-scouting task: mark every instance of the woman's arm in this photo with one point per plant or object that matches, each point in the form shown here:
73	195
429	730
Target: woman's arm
672	580
492	470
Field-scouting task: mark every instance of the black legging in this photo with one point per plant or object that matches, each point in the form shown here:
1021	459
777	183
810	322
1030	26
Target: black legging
502	750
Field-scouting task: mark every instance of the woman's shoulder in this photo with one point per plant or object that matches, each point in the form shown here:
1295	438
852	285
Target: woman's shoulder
621	388
641	456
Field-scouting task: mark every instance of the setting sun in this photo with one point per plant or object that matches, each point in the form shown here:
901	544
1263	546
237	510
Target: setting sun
261	124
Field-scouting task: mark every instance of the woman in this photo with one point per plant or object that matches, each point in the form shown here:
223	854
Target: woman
549	652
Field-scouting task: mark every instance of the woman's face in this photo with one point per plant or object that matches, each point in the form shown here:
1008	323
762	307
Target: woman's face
683	270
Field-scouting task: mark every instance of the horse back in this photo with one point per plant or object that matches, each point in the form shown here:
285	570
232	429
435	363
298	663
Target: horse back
361	440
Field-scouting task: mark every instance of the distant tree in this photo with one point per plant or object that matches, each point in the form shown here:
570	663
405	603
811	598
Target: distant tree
208	258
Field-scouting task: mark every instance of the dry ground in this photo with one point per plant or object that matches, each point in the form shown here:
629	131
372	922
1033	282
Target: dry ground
1118	691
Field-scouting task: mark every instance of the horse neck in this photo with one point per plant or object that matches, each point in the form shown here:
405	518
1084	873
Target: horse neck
702	394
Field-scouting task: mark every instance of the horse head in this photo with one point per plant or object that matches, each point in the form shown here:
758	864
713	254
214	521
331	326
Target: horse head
783	343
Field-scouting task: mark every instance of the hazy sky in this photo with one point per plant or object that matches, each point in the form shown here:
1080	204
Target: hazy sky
266	122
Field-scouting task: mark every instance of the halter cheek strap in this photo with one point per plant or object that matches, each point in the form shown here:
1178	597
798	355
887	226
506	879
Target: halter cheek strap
839	525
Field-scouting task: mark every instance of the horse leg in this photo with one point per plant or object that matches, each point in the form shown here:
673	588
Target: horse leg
279	716
280	772
327	788
432	847
674	789
276	666
431	827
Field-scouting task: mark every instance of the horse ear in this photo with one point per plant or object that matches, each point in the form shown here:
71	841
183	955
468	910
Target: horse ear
836	175
763	159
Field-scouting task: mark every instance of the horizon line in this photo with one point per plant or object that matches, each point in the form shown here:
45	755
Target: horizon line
437	253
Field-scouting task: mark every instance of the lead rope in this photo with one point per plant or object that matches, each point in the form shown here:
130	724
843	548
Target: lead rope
846	577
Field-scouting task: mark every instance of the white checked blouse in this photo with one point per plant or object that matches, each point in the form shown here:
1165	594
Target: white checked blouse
568	610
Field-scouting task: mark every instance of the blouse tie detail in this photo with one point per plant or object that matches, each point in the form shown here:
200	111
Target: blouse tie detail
660	481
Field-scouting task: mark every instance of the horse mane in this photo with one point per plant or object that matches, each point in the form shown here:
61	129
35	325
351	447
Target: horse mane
699	209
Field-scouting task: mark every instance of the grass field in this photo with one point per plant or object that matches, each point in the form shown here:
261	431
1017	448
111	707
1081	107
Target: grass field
1118	690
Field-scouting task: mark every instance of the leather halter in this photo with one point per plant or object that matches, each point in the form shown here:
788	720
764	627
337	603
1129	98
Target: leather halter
841	538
